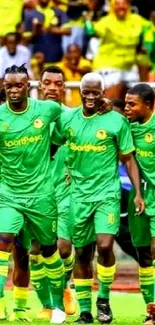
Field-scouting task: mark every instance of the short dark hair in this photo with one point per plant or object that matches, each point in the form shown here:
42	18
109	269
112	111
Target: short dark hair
119	103
53	69
2	95
17	69
144	91
15	34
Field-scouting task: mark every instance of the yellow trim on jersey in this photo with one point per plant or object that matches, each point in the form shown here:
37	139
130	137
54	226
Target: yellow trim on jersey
88	117
127	151
26	109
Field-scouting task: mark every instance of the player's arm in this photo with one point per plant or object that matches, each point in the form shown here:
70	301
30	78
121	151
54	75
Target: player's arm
58	136
126	148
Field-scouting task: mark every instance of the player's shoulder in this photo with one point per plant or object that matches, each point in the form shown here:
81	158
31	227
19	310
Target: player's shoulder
45	106
3	109
68	114
116	117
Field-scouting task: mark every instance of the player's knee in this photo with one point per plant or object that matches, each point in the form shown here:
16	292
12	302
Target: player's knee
104	245
144	256
48	251
65	248
6	242
35	249
153	251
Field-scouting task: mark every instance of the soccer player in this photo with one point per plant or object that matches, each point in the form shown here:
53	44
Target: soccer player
26	193
21	274
139	110
94	143
53	88
123	237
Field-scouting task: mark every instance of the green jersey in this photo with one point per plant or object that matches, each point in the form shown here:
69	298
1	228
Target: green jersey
60	174
25	148
144	142
94	146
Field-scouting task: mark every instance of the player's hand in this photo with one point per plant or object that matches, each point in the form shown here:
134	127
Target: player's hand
140	204
106	106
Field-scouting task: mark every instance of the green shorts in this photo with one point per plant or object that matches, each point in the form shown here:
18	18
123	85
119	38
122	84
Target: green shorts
63	230
24	238
89	219
38	211
142	228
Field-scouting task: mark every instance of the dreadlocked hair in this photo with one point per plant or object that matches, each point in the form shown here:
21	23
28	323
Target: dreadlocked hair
17	69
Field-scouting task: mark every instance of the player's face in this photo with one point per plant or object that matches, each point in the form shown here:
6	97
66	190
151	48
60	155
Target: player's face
121	8
52	86
16	87
91	95
135	108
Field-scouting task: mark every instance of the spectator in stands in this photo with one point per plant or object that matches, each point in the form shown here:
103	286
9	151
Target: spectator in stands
95	11
47	30
120	32
74	67
75	11
13	53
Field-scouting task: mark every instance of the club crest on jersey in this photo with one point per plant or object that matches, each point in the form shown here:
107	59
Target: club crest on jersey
38	123
5	126
71	132
148	137
101	134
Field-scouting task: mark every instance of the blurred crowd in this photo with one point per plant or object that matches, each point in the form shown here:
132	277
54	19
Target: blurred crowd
113	37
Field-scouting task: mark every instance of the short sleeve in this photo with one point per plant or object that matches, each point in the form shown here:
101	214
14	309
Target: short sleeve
124	138
58	134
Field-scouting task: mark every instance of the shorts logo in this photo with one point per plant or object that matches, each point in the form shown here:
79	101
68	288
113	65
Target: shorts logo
148	138
38	123
111	218
101	134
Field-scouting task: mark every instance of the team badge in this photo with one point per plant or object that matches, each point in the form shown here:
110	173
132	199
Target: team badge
101	134
38	123
5	126
148	137
71	132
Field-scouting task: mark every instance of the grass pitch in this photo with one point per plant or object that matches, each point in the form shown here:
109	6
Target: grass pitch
128	309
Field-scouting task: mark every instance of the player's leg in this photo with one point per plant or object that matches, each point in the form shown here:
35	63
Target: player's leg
67	254
123	238
141	237
43	222
11	225
39	281
107	219
21	277
82	231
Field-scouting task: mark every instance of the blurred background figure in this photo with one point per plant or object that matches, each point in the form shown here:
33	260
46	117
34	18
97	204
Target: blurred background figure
13	53
74	66
122	34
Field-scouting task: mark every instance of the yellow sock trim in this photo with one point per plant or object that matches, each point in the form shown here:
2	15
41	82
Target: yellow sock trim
20	293
37	274
36	259
146	270
52	259
69	259
54	273
4	256
106	271
83	282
